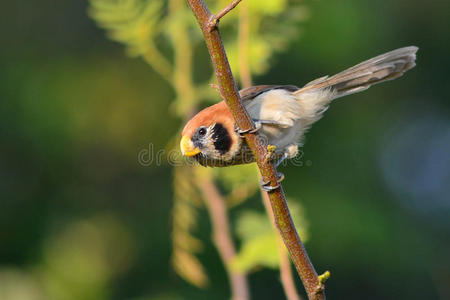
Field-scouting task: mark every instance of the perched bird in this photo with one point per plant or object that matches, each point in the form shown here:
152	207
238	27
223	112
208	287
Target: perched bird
283	113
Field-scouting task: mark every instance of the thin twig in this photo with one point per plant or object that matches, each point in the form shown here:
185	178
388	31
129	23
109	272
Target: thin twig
268	172
214	19
285	265
214	86
222	236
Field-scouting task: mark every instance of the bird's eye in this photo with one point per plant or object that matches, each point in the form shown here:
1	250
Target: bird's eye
202	131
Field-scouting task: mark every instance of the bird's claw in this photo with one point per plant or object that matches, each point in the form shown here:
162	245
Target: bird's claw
241	132
280	177
280	161
269	188
265	185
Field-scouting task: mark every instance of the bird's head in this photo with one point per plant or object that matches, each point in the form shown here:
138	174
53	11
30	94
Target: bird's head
210	135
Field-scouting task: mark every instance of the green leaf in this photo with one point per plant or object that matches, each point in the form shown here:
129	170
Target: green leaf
132	22
259	240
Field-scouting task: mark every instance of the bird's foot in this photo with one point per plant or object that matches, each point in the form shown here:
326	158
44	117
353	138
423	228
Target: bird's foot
265	185
280	161
241	132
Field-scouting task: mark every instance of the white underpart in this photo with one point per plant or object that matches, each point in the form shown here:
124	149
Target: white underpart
292	115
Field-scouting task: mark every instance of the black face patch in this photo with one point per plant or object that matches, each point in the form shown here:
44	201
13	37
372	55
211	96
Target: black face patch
222	140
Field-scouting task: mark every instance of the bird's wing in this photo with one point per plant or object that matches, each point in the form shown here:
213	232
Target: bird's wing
251	92
279	113
271	105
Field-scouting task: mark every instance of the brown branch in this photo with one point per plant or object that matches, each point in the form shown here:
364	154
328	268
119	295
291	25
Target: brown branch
280	209
214	19
285	265
214	201
287	279
222	236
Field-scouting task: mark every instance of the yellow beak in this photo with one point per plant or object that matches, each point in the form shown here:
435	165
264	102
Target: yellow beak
187	147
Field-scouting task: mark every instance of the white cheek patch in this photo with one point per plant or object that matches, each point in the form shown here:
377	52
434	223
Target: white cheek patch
211	150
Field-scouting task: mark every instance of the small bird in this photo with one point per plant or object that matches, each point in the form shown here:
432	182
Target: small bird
283	113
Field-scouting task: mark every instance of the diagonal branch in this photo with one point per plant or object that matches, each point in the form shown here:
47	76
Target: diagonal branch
285	265
286	276
229	91
216	204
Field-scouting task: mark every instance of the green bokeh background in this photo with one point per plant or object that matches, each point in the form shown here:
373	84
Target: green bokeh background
80	218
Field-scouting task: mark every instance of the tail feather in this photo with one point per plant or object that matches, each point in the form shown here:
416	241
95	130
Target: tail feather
382	68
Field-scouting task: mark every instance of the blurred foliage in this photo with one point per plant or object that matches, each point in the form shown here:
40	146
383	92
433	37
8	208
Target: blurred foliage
267	19
139	25
239	182
75	113
259	241
19	285
78	263
187	198
81	260
134	23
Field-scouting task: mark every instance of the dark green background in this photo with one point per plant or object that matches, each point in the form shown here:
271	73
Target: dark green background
75	112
